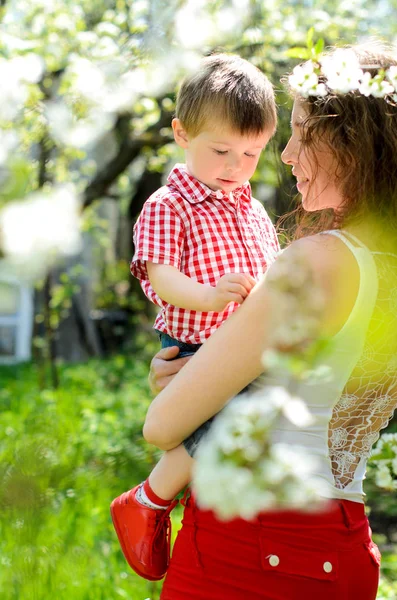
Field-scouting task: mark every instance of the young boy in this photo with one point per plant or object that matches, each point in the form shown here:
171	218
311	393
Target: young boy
201	243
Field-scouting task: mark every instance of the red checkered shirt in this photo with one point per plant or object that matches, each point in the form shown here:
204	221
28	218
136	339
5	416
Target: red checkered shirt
204	234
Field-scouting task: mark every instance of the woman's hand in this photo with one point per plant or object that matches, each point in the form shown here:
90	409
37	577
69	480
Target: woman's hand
163	369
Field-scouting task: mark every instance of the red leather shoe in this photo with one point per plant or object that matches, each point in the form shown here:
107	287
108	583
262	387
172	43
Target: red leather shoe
144	534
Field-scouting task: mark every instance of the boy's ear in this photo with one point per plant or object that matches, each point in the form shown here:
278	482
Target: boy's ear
180	135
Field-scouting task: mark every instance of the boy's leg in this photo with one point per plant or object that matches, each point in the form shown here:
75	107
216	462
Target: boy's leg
194	440
141	516
171	474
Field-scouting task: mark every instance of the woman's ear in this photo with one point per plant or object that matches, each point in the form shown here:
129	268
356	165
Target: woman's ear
180	135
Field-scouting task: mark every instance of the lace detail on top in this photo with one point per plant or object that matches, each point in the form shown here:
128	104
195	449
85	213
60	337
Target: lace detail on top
370	395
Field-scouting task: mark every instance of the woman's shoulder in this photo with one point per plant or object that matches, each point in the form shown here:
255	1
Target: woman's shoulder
325	251
334	270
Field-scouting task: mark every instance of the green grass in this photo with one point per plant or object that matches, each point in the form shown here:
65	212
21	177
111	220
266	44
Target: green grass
64	455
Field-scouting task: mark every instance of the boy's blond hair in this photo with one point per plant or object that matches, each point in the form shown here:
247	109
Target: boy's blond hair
226	88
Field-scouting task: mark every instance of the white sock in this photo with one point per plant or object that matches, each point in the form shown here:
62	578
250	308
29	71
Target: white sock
143	499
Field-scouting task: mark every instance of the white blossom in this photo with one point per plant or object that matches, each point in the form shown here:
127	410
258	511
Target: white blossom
383	477
342	70
15	75
304	80
109	29
343	74
372	86
239	470
38	230
88	78
13	93
9	141
193	27
391	74
29	68
81	133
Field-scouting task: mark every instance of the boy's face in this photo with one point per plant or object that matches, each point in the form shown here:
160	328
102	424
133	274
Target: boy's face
220	157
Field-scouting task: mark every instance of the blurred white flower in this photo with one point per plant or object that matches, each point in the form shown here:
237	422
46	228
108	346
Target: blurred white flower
13	94
13	44
15	74
196	28
228	20
193	25
383	477
391	74
81	133
29	68
299	304
88	78
240	472
9	141
35	232
87	39
296	411
113	88
38	25
106	28
129	87
64	22
105	48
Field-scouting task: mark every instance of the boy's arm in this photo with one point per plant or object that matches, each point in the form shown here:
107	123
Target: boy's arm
178	289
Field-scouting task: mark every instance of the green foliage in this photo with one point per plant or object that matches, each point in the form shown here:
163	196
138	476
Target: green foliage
387	589
64	456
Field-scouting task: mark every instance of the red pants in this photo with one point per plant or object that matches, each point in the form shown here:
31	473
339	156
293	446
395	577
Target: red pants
287	555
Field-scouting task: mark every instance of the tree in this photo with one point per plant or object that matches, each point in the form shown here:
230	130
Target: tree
88	95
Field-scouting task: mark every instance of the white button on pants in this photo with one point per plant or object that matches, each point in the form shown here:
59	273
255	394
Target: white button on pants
274	560
327	566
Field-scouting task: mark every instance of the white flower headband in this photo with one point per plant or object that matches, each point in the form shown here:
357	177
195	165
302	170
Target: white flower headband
343	74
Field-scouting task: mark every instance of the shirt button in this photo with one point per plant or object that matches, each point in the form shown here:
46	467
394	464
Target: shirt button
219	194
250	242
274	560
327	566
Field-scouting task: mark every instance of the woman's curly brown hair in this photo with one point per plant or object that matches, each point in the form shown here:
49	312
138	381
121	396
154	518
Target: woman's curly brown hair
361	133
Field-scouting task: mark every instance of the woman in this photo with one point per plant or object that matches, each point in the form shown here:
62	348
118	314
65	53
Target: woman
342	151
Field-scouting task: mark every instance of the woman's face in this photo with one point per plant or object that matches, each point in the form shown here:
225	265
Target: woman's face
314	169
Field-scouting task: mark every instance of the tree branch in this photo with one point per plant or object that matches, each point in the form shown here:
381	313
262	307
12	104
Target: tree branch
128	151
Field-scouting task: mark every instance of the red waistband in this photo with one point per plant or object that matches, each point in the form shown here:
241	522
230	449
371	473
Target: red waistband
335	512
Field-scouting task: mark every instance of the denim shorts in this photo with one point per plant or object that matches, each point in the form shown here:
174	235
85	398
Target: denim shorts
185	349
192	442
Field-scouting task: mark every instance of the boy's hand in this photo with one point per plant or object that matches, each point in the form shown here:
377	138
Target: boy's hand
232	287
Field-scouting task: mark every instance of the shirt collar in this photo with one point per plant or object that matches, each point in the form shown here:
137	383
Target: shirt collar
194	191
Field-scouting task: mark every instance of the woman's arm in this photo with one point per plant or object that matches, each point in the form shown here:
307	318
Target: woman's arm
231	358
223	366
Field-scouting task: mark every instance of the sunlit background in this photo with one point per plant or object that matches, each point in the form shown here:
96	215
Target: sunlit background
87	97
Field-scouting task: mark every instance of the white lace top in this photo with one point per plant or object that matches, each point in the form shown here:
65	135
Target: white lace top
350	410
